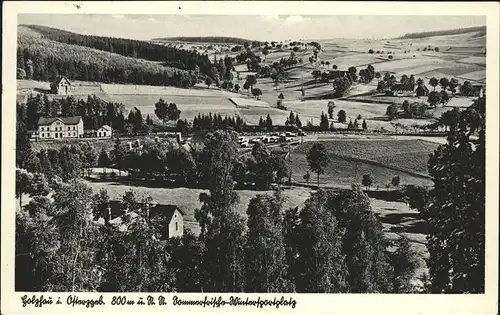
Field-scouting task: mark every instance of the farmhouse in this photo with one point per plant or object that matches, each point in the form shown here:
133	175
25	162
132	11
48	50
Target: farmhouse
60	86
170	217
421	90
400	89
334	74
59	128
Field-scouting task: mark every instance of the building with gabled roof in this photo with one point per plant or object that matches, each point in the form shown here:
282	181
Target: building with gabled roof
401	89
168	219
50	128
60	86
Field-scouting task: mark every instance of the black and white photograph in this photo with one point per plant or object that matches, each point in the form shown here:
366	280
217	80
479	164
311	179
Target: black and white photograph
261	153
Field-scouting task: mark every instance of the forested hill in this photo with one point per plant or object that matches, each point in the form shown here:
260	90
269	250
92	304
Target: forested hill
43	59
480	29
209	39
183	59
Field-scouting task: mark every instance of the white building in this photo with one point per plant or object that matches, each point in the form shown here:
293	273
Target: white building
61	86
59	128
104	132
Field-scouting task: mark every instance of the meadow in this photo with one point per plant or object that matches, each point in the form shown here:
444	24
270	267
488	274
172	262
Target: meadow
407	155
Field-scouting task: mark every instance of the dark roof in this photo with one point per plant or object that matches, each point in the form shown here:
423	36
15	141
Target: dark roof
117	210
66	120
59	78
165	210
403	87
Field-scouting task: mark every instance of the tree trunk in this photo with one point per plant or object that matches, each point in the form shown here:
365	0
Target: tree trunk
318	180
74	267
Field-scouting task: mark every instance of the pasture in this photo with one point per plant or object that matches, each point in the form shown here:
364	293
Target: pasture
407	155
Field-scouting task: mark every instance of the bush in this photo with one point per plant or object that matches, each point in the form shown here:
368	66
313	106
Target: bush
370	51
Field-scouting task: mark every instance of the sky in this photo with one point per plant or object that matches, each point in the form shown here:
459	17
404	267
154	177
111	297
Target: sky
252	27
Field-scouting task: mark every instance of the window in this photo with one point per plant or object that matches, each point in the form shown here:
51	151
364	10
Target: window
69	128
57	135
177	226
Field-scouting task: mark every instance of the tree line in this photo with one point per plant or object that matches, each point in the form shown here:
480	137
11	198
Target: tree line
213	39
94	111
445	32
42	59
333	244
187	60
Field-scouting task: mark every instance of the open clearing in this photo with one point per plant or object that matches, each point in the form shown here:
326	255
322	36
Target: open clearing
343	172
409	155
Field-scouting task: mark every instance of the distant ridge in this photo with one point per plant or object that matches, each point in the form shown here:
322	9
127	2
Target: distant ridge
481	29
209	39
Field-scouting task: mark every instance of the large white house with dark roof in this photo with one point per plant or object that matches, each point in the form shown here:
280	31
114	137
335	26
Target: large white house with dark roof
59	128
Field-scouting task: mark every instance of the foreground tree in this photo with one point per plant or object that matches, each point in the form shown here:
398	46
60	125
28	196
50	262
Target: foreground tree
24	184
405	264
266	267
321	264
222	227
456	209
76	266
363	242
318	159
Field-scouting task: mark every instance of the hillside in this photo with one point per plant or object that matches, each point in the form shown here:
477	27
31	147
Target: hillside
50	58
208	39
479	29
185	60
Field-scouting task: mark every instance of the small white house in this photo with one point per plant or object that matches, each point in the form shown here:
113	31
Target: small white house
61	86
104	132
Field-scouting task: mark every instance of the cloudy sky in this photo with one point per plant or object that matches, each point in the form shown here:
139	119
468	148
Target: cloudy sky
268	27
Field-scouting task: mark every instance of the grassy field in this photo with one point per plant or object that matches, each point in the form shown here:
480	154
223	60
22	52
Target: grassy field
410	155
190	106
343	172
